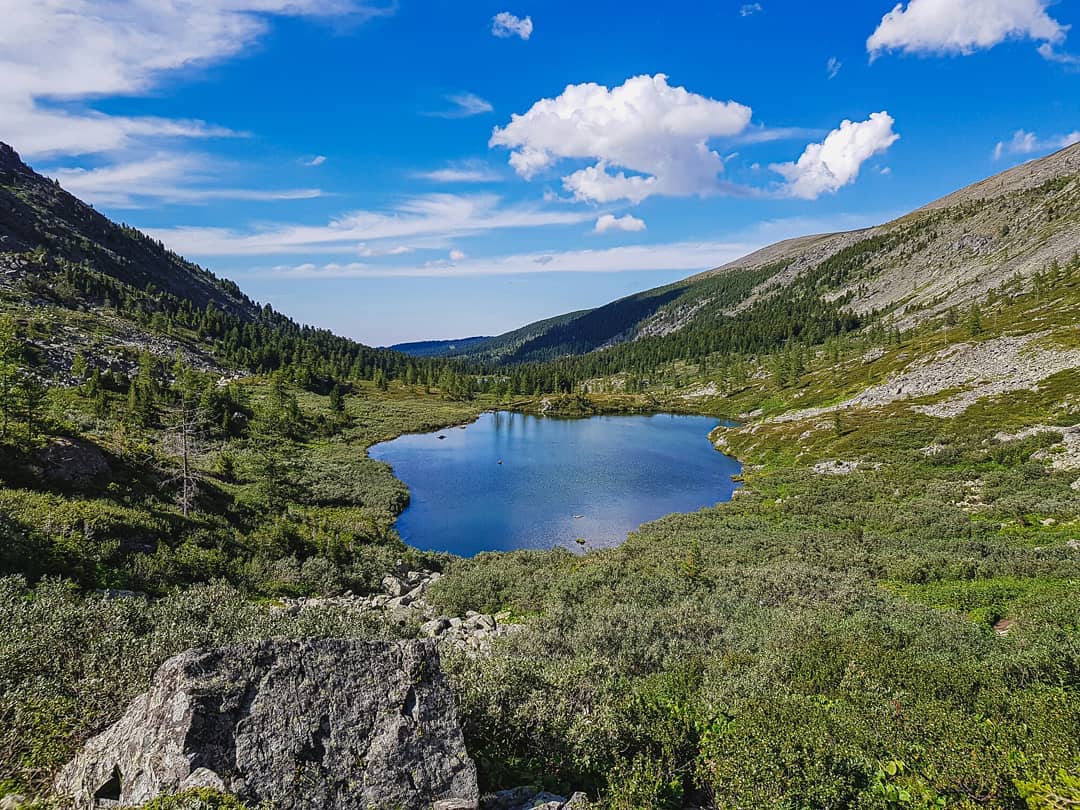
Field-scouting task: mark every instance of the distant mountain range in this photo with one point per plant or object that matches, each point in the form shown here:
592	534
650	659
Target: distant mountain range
438	348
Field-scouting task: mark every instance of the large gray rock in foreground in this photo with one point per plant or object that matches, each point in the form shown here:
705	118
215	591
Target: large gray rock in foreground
300	724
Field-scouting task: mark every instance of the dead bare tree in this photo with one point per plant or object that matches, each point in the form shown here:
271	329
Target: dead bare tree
184	431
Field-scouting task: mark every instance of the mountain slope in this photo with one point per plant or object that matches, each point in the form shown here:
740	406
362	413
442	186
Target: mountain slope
35	213
79	283
945	254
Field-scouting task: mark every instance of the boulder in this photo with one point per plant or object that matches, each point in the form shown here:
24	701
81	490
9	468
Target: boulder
336	724
72	462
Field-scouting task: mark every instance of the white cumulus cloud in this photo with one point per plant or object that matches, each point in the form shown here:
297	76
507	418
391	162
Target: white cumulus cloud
1026	143
318	160
610	222
457	255
835	162
963	26
832	67
749	9
643	137
504	24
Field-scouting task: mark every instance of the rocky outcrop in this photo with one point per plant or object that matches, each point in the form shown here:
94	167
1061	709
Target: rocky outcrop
531	798
402	600
981	369
330	724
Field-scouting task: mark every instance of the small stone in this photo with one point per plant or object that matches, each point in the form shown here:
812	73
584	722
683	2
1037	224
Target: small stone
435	627
203	778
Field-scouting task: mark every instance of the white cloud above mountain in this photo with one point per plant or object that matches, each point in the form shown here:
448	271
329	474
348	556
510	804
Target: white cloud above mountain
962	26
835	162
1023	142
644	137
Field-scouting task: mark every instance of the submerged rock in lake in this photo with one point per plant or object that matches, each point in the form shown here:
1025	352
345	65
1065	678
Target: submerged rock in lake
343	724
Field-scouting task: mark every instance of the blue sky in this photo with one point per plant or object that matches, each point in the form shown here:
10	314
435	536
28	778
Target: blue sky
357	164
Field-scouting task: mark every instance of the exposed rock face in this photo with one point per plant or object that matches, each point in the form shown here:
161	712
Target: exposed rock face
300	724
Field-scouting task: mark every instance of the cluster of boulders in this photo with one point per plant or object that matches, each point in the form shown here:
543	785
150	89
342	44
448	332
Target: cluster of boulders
531	798
473	633
402	599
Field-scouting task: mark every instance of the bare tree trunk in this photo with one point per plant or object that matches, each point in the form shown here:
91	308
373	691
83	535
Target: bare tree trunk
184	435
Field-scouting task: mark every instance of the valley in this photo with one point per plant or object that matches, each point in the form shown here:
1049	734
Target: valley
885	614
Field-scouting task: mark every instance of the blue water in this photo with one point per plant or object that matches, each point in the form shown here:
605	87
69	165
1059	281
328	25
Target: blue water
560	479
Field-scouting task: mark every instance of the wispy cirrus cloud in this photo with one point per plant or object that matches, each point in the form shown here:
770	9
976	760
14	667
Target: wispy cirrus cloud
469	171
685	256
58	56
689	256
433	216
463	105
163	178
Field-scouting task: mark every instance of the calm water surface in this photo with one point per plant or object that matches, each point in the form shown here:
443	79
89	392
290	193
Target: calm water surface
558	480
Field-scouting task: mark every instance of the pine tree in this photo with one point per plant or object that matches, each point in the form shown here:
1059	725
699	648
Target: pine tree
337	400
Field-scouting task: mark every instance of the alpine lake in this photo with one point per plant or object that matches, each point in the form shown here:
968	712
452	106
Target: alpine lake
516	481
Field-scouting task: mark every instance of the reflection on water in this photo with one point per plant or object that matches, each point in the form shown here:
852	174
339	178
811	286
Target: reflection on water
511	481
